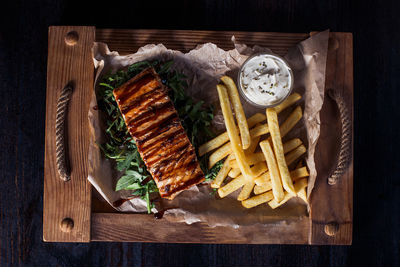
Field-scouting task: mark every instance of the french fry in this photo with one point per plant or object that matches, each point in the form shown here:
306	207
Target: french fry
253	146
274	204
219	154
298	186
235	172
259	169
251	159
213	143
303	192
273	125
293	98
286	126
266	180
295	154
233	132
232	186
299	173
291	144
277	189
290	158
253	120
246	191
221	139
291	121
303	195
223	172
239	113
259	130
241	180
257	200
258	157
259	189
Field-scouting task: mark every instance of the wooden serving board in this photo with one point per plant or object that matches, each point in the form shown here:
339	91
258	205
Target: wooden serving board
73	214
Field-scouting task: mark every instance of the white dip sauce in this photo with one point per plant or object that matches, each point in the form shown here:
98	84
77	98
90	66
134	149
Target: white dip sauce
265	79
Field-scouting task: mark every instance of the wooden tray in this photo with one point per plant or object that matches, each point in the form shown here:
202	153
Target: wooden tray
72	214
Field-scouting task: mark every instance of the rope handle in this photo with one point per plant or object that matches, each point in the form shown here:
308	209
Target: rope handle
345	143
62	105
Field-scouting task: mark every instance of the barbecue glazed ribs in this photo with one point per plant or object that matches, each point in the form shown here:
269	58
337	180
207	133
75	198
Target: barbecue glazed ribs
153	122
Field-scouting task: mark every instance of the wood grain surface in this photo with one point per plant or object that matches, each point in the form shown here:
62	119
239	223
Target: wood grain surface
70	61
23	67
128	41
333	204
145	228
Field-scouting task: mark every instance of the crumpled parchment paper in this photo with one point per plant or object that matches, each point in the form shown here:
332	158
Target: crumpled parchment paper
203	66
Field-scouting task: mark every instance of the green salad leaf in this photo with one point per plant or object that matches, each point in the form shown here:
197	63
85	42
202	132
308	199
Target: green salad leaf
195	117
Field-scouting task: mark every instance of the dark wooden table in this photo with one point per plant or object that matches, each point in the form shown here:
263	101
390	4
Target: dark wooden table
23	57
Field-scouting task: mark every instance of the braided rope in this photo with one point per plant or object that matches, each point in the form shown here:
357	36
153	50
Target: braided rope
62	106
345	144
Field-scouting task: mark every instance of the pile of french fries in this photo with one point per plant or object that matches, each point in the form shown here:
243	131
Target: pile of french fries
263	176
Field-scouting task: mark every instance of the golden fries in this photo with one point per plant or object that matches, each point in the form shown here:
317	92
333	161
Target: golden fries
256	118
269	176
253	120
219	154
287	125
277	189
251	159
234	172
241	180
257	200
299	173
300	184
223	172
291	121
303	195
273	125
239	113
258	157
232	186
259	169
253	146
259	189
295	154
233	132
221	139
265	185
213	143
291	144
290	158
259	130
274	204
246	191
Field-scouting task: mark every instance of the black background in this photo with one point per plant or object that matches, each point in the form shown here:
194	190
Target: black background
23	57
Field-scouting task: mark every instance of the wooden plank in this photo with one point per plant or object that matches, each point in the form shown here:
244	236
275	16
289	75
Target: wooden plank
128	41
333	204
145	228
70	199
